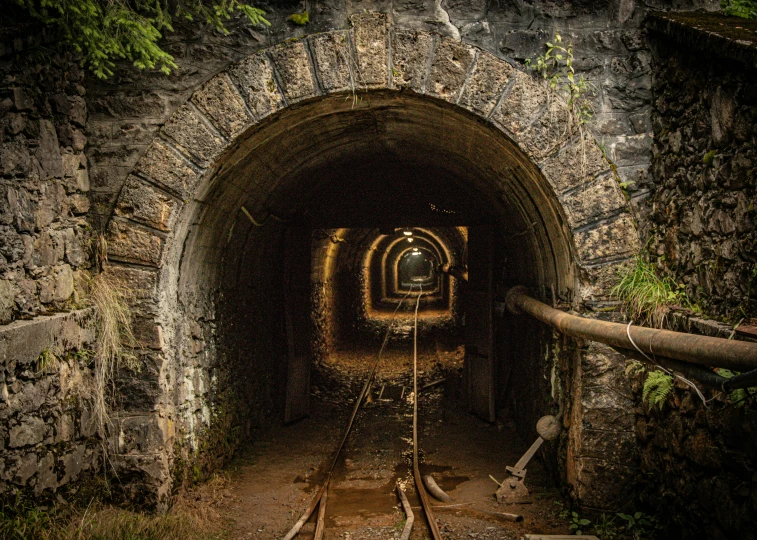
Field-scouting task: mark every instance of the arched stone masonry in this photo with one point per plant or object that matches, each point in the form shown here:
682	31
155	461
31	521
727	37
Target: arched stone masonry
150	223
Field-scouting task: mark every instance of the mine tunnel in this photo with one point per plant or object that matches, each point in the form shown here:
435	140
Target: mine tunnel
372	211
360	264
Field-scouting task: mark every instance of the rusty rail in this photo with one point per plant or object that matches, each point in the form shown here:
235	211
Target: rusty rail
691	348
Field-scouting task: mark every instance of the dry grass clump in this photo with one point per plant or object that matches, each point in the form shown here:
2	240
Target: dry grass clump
115	338
194	516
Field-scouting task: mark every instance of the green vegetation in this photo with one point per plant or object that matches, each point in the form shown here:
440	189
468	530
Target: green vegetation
48	359
105	31
746	9
647	299
300	19
556	66
640	525
657	388
191	518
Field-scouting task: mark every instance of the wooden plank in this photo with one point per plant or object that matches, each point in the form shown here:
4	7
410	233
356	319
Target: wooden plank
479	334
298	323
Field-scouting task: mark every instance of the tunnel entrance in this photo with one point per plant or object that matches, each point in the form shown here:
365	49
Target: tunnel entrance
265	228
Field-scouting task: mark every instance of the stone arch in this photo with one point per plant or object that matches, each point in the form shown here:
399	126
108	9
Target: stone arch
371	66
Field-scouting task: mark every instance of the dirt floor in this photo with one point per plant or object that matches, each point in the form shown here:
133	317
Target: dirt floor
273	482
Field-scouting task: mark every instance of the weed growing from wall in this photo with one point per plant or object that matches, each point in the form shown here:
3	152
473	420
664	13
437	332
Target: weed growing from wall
647	298
115	339
556	67
657	388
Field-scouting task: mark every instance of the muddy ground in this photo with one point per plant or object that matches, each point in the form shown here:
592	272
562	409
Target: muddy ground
272	483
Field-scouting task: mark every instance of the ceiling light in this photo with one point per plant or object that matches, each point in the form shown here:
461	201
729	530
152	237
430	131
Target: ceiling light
409	238
407	233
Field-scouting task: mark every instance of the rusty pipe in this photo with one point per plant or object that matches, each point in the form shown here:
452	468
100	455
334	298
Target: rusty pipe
695	349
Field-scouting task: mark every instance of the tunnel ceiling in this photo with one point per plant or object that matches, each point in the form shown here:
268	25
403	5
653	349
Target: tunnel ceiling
395	160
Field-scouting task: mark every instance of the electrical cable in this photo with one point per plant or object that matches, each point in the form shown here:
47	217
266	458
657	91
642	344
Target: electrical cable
435	533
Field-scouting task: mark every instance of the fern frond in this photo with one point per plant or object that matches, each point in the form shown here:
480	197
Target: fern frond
657	388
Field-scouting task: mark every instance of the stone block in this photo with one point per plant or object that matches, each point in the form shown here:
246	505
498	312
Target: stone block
25	467
130	243
597	281
549	132
151	477
486	83
64	283
73	463
522	104
574	164
600	197
613	446
30	396
31	431
333	61
293	66
410	54
222	104
46	477
23	341
615	239
141	284
255	80
163	164
48	151
449	69
370	34
143	203
604	485
193	137
141	434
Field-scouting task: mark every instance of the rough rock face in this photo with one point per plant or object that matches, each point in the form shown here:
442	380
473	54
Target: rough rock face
44	185
702	213
48	433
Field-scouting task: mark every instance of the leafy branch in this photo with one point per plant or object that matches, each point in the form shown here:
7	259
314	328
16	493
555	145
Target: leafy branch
105	31
746	9
556	66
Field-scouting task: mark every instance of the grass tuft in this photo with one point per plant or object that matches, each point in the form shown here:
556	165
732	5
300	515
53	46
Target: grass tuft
194	516
115	338
647	299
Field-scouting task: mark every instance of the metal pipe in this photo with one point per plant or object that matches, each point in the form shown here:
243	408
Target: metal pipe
704	350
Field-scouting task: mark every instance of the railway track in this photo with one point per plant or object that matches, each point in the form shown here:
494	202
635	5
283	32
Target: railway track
321	497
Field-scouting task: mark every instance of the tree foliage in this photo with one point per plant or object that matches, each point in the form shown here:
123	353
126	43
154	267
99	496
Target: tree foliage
746	9
105	31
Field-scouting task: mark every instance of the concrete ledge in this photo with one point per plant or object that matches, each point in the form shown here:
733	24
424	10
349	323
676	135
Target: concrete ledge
714	34
24	341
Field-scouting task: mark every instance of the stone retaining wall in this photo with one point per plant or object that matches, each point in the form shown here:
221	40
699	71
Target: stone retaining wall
48	434
44	183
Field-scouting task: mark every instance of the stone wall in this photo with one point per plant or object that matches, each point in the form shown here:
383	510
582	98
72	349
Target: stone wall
697	462
44	183
610	47
48	434
701	214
